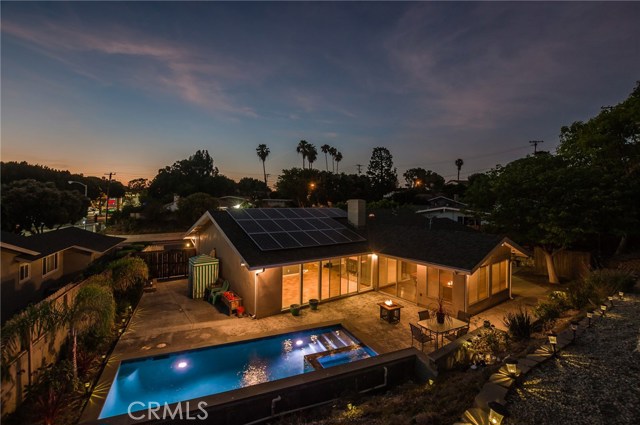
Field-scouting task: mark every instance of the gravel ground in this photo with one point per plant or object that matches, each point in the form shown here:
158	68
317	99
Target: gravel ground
596	380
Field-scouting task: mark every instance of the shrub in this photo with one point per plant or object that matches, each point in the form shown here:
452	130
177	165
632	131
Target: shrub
581	293
519	323
610	281
561	299
548	312
49	390
128	273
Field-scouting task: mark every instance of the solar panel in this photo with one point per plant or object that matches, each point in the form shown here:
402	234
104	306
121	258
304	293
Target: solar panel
250	226
286	228
264	241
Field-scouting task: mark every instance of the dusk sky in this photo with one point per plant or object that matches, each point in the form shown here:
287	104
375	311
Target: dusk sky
132	87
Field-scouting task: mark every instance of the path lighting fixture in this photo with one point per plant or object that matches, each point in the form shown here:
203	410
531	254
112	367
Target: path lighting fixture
497	412
589	317
621	295
574	329
512	367
87	386
553	341
610	298
603	310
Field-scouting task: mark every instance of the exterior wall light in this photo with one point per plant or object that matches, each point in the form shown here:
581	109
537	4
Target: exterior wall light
553	341
589	317
603	310
497	412
574	329
512	367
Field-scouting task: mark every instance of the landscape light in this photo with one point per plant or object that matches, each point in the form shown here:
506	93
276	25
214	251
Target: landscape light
621	295
553	340
603	310
574	328
497	412
610	298
512	367
589	317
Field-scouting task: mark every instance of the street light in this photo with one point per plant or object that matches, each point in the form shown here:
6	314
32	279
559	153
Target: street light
85	186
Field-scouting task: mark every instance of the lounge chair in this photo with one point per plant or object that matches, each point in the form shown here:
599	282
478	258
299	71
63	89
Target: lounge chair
216	292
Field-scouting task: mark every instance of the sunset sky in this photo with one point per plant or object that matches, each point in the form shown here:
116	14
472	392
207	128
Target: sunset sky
132	87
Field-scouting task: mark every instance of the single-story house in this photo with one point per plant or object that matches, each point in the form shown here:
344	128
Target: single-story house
277	257
443	207
31	264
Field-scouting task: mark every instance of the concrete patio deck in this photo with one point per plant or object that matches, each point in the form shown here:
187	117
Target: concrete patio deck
168	320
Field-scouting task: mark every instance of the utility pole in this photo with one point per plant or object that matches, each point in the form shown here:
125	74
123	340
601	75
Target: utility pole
106	217
359	167
535	145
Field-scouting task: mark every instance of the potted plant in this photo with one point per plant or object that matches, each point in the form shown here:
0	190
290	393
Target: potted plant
313	303
440	311
295	309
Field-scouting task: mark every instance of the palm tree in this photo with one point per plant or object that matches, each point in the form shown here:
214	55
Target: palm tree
312	154
333	152
338	159
263	152
302	150
93	308
325	149
459	164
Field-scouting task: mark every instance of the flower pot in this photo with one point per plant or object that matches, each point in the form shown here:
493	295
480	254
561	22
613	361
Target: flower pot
313	304
440	317
295	309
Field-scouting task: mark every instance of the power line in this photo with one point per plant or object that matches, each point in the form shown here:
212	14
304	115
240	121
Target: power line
359	168
535	145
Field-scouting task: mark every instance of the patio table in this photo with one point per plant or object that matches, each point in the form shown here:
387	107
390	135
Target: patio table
390	313
440	329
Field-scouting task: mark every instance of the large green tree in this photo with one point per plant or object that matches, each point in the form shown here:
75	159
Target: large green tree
382	174
29	205
191	208
609	145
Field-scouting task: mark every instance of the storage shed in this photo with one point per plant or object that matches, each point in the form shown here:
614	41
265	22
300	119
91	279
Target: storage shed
203	272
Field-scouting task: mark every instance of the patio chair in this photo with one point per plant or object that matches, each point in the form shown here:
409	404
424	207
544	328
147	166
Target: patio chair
418	335
457	334
215	293
424	315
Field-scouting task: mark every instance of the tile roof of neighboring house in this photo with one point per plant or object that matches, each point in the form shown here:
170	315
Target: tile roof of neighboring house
403	234
43	244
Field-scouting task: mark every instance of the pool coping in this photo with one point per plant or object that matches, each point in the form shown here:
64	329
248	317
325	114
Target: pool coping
98	397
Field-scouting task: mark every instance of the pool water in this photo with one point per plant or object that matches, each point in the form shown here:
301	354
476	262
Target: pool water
197	373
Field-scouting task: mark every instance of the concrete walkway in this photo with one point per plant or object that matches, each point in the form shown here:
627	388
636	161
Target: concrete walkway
169	320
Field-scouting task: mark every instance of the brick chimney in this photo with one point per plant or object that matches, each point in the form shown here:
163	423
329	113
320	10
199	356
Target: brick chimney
357	212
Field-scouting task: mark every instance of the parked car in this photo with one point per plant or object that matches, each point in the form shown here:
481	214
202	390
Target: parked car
92	212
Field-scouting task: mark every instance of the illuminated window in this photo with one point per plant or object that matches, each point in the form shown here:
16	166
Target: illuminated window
49	264
25	272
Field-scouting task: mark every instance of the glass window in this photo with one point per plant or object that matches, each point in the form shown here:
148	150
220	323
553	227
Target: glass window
366	272
483	283
326	272
290	285
408	281
498	277
25	272
310	279
349	275
433	285
50	264
334	277
387	275
446	285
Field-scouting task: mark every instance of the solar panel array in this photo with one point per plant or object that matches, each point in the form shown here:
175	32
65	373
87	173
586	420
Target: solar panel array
284	228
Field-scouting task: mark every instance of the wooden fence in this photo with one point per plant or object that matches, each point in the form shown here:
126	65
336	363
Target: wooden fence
40	351
569	264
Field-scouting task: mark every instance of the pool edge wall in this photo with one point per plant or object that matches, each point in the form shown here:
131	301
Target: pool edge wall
261	402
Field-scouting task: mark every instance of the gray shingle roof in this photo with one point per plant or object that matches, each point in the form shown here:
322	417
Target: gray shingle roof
58	240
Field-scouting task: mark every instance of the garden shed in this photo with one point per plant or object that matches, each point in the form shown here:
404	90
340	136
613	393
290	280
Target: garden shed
203	271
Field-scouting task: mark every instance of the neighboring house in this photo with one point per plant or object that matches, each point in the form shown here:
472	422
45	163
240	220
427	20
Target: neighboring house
276	203
443	207
277	257
226	202
31	265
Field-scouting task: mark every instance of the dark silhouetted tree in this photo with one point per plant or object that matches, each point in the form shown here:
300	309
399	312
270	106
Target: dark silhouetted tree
459	164
263	152
382	174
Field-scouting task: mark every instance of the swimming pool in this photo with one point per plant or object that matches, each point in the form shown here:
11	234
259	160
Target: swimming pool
193	374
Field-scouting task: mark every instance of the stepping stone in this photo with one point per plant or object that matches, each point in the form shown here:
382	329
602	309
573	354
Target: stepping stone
490	392
526	363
